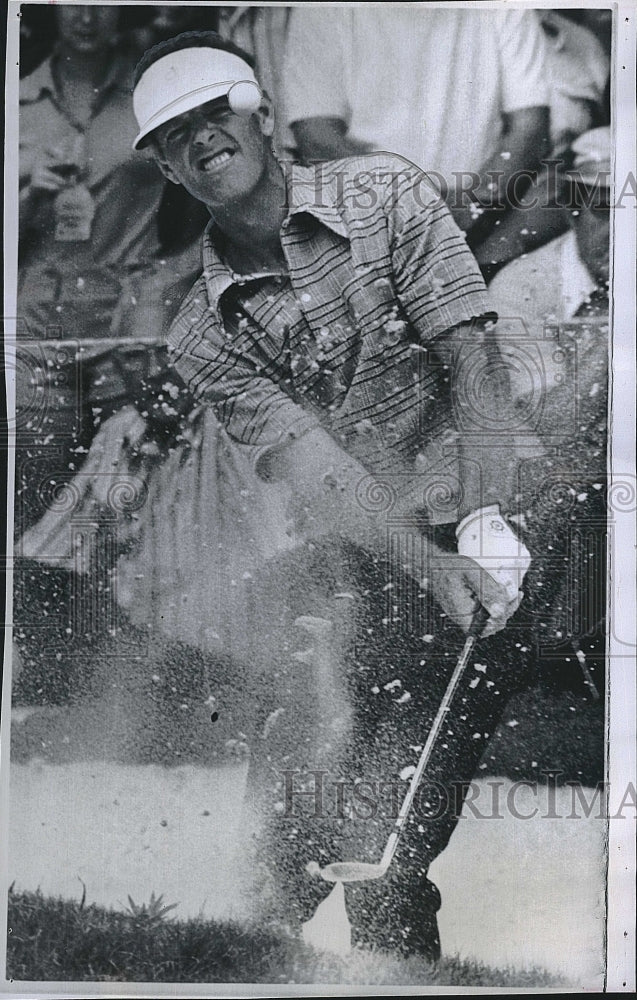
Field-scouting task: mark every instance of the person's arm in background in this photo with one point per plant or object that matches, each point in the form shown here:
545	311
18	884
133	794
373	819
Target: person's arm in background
325	139
314	83
506	175
39	182
525	138
579	84
539	218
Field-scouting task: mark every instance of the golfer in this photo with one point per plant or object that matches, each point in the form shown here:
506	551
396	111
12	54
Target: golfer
341	332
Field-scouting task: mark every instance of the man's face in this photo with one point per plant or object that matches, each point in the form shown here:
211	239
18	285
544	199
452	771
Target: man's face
591	223
86	29
218	156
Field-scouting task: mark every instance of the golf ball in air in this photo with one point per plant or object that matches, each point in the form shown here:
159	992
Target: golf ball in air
244	98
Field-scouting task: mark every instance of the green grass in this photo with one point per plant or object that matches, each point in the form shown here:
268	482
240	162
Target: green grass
57	940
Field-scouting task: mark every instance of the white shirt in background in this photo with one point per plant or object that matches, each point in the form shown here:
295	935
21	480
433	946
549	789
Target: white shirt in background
430	84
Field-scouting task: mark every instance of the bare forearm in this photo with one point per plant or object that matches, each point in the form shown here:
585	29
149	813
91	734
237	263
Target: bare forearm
325	139
539	219
506	174
476	203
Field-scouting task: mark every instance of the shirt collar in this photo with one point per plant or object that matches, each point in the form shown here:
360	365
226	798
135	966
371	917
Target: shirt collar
37	83
314	191
308	193
217	274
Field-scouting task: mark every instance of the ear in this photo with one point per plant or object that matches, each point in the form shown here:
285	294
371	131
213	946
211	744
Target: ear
265	114
165	167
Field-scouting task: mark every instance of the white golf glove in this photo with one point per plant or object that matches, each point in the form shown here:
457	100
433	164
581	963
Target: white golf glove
485	537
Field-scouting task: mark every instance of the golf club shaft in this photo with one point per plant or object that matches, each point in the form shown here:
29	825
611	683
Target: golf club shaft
477	625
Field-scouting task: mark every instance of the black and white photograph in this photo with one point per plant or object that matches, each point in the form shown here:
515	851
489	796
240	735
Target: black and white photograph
319	645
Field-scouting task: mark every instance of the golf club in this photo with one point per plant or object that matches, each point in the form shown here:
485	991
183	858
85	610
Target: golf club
362	871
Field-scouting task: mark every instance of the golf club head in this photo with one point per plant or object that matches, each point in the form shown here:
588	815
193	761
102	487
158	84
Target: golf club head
352	871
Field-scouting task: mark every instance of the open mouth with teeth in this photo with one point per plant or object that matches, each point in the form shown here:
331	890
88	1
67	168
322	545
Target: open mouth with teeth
211	163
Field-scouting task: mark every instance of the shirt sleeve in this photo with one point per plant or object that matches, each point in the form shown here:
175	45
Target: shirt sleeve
523	60
314	62
436	276
255	411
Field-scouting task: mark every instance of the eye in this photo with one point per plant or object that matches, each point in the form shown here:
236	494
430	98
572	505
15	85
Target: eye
215	113
174	136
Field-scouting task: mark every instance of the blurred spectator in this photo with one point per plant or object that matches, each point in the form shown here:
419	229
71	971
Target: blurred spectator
568	277
165	20
90	258
87	202
453	90
579	68
598	20
578	73
262	31
38	30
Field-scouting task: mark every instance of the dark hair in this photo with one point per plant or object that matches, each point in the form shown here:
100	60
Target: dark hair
188	40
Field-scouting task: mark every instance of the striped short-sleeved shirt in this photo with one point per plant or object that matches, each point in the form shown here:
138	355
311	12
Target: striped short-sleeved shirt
346	338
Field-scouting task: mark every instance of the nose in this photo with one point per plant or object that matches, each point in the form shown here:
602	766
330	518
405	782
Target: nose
86	15
203	129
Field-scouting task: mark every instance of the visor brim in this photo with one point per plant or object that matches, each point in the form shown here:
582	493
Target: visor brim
179	107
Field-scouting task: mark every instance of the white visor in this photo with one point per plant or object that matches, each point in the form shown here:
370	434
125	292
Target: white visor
183	80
